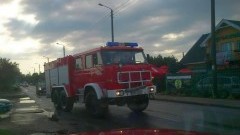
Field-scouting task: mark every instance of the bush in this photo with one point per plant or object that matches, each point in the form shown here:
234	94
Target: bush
8	74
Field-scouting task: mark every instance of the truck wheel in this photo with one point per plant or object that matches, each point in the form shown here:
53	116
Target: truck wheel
61	101
66	103
94	106
55	99
138	103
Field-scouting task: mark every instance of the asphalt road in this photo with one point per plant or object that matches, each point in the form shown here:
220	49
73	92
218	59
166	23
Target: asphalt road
159	114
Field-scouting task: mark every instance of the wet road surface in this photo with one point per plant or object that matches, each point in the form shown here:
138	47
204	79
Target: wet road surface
159	114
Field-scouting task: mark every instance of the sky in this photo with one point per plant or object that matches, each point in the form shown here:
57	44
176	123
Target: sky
31	29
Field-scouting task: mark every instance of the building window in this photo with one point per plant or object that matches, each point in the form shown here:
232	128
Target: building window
79	63
226	47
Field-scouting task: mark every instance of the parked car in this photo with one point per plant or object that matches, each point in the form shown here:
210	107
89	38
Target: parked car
226	85
5	105
25	84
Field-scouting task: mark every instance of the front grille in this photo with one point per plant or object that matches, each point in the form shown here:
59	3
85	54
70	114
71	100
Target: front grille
134	78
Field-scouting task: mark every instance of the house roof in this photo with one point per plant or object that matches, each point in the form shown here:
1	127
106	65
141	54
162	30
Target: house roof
197	53
223	23
236	23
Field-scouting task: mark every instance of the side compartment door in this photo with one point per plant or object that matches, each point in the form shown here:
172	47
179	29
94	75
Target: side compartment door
80	77
97	70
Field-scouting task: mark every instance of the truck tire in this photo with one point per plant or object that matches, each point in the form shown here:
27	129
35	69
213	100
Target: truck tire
55	99
66	103
95	106
138	103
61	101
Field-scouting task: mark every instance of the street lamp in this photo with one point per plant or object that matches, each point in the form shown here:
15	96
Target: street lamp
63	48
111	19
47	58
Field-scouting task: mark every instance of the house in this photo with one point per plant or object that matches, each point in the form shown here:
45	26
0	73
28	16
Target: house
195	58
199	57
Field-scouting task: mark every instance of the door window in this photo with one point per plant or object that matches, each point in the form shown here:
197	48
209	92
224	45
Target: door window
89	62
79	63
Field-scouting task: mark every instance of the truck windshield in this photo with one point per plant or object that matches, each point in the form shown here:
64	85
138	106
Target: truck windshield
123	57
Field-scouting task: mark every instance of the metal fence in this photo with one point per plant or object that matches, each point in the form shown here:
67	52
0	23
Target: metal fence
201	84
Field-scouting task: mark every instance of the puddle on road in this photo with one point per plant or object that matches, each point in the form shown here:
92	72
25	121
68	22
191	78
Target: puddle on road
26	100
29	110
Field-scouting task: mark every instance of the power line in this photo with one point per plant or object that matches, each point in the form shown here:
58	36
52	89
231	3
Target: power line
117	10
123	6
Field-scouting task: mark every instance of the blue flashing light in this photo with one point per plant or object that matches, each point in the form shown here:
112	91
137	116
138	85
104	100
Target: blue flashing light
131	44
110	44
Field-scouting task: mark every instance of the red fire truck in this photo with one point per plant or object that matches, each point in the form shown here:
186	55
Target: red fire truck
114	74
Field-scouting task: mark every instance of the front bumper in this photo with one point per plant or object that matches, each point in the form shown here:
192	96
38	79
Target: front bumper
141	90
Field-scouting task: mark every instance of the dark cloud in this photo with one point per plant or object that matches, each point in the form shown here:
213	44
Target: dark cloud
83	24
18	29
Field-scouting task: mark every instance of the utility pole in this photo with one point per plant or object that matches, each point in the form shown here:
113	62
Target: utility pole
47	58
214	65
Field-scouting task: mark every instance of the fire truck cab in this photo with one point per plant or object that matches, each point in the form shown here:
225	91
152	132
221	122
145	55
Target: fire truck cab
115	74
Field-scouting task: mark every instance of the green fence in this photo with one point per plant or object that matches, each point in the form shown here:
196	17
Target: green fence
201	84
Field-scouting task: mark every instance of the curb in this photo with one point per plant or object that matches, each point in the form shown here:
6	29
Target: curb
197	102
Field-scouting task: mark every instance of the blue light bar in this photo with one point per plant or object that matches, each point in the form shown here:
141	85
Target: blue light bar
131	44
110	44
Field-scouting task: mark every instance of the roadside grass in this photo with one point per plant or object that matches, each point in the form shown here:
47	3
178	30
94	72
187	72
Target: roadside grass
5	132
12	89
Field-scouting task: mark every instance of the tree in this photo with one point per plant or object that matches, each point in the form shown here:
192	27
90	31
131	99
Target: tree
170	61
33	79
9	72
158	61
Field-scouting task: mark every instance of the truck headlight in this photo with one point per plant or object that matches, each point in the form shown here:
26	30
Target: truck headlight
119	93
151	89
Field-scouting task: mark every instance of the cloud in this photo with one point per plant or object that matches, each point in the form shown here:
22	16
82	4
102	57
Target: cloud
172	36
3	2
159	26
